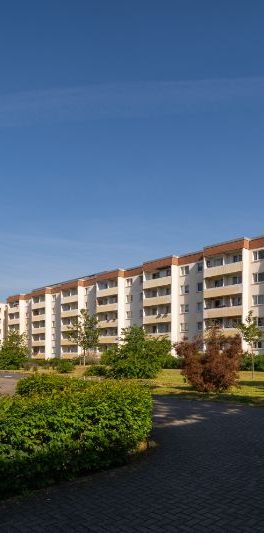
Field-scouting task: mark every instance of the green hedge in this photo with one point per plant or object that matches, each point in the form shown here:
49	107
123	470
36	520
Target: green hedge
43	384
97	370
246	362
56	362
171	361
44	439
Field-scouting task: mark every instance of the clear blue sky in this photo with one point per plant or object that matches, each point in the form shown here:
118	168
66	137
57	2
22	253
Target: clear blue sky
129	130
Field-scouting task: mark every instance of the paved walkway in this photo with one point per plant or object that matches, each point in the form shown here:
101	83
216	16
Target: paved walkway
207	475
8	382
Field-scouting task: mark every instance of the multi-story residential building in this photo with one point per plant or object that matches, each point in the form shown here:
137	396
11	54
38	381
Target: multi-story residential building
3	309
176	296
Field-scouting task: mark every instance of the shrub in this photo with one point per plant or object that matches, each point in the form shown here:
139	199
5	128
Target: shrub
48	438
216	369
137	356
246	362
55	363
64	367
96	370
172	362
43	384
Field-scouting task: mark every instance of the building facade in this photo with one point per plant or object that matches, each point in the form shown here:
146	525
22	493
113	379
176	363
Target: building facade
3	322
176	296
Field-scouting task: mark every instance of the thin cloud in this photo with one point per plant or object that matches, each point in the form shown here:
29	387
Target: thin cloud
127	100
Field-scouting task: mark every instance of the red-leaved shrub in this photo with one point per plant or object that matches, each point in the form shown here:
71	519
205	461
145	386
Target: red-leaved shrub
216	368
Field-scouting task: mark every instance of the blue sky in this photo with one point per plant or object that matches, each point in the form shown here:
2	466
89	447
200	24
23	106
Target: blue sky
128	131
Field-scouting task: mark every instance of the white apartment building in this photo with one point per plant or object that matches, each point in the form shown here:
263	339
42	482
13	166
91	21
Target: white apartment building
3	309
176	296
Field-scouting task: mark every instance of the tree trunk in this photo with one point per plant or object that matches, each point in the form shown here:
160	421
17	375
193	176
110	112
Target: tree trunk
84	355
252	363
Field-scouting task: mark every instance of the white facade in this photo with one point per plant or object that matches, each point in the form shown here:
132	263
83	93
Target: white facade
177	297
3	310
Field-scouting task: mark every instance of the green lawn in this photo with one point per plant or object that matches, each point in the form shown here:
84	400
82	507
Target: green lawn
249	391
172	382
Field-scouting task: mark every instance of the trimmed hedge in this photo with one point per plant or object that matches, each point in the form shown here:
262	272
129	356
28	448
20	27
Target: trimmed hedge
246	362
43	384
97	370
44	439
171	361
57	363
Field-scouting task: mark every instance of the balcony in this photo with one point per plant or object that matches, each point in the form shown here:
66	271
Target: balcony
225	290
108	323
69	313
39	330
104	308
227	332
110	291
73	298
157	282
157	300
229	268
37	318
13	309
37	305
12	321
66	327
152	319
108	339
66	342
157	335
219	312
38	343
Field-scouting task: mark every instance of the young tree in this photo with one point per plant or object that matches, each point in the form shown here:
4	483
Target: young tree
13	350
84	332
251	334
138	355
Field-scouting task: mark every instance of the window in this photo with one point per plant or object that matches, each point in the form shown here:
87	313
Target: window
236	280
185	308
219	282
231	322
141	279
199	307
184	327
237	258
258	255
199	326
236	300
200	286
128	314
258	277
184	289
129	298
258	299
185	270
199	267
128	282
53	297
260	321
258	345
218	261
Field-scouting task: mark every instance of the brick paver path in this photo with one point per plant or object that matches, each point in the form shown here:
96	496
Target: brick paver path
206	475
8	383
